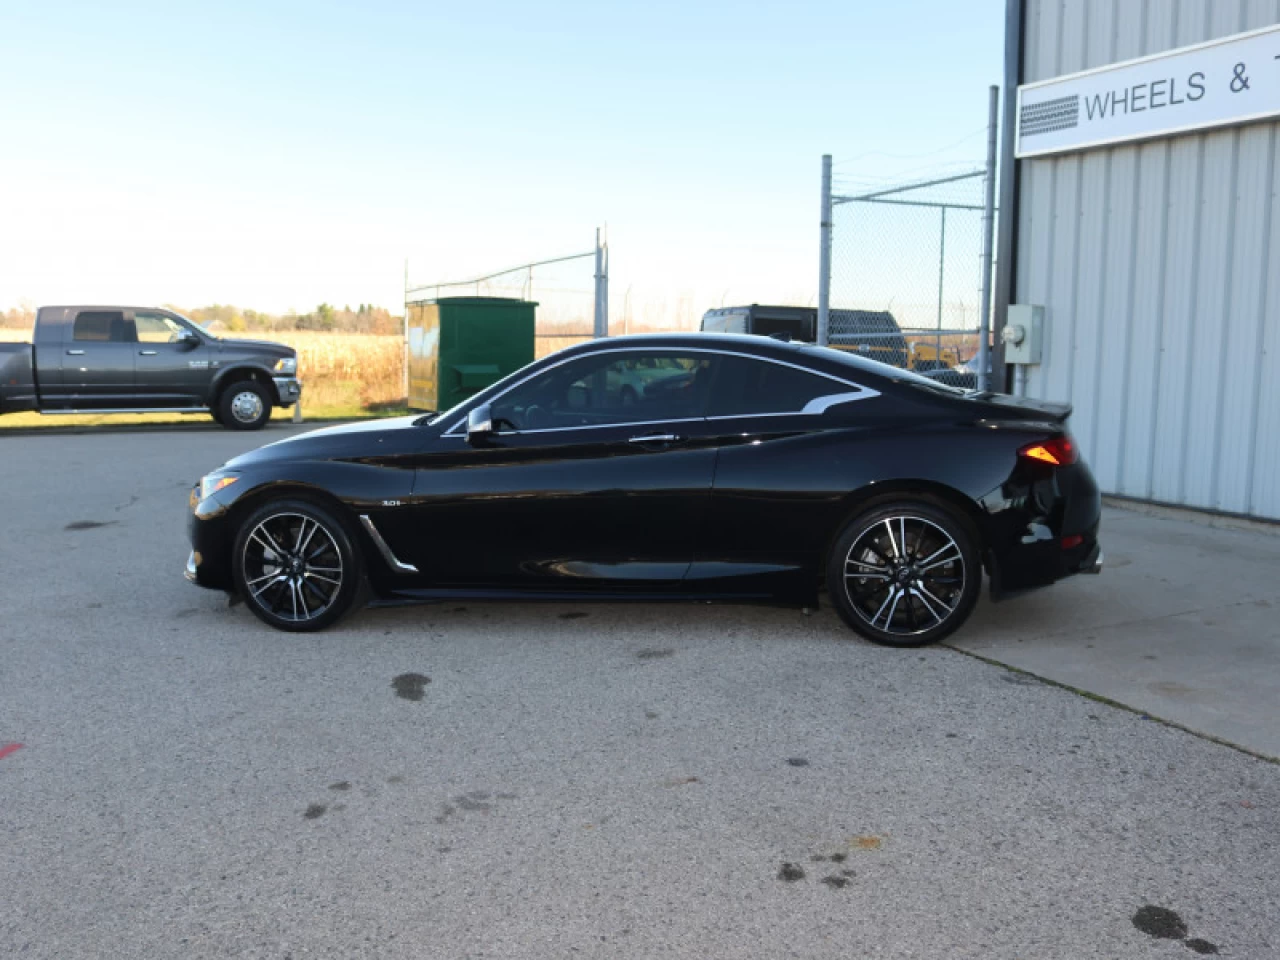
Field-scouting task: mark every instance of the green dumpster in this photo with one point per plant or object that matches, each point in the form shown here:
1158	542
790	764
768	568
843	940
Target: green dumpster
460	345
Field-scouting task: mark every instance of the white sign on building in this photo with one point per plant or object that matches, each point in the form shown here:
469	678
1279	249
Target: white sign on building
1228	81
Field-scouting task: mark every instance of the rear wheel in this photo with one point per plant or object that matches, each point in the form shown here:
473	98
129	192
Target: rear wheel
295	566
905	573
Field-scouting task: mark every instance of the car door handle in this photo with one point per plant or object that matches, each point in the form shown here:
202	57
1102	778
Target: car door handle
656	438
75	353
146	353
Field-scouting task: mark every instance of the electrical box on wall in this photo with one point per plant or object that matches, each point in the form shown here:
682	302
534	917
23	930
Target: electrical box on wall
1023	334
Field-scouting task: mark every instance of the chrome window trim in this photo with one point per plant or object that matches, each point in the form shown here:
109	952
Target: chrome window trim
822	404
861	392
591	426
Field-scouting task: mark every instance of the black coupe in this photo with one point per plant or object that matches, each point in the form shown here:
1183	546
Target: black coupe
699	466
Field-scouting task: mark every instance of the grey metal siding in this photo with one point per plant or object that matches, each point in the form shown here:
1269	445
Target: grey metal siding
1159	266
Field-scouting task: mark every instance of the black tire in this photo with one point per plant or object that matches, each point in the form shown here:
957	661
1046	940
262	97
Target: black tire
869	576
287	594
216	414
244	406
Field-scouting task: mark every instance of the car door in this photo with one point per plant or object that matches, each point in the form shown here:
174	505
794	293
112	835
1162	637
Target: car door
585	486
172	366
773	424
98	361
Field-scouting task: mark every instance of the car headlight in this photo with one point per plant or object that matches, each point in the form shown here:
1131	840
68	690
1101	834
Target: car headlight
213	483
287	365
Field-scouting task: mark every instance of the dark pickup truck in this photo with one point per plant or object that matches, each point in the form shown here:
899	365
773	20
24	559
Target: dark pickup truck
143	360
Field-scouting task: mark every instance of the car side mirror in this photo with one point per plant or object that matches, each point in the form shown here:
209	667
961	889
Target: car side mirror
479	424
188	340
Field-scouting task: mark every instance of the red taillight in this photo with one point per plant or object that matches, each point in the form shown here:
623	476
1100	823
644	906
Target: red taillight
1070	543
1057	452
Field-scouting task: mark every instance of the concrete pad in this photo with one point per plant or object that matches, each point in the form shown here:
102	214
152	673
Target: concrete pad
1183	623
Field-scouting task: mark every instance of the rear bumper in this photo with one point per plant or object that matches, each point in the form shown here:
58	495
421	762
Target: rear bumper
1057	536
1093	563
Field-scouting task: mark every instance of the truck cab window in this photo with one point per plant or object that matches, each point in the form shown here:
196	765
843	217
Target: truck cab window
103	326
157	328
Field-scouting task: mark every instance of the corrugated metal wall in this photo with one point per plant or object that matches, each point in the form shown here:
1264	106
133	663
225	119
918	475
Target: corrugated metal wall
1159	266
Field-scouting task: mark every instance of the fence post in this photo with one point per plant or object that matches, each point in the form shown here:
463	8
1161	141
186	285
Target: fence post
604	281
942	267
601	321
988	244
824	256
404	334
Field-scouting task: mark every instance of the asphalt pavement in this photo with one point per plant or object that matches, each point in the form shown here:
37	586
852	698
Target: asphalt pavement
512	781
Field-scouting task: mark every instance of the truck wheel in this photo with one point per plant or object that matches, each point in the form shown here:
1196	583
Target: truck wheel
244	406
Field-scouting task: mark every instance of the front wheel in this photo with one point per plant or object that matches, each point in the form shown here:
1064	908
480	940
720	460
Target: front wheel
244	406
905	574
295	566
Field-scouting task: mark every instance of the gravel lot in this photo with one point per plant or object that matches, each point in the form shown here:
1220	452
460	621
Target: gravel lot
510	781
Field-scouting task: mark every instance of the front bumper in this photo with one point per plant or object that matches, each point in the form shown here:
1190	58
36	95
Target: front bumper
208	564
288	389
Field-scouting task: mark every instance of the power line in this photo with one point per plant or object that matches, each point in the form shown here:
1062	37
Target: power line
912	156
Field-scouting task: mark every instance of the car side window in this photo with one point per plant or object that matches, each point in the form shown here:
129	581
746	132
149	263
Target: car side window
747	387
103	326
156	328
609	388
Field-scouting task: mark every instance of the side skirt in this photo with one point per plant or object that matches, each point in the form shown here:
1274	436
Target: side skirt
413	596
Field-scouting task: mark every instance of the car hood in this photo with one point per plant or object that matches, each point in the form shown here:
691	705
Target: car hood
342	440
268	347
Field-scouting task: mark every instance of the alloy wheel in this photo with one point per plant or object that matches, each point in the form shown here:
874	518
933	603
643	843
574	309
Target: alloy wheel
904	575
292	567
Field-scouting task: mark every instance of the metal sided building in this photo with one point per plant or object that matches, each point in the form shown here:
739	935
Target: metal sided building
1140	208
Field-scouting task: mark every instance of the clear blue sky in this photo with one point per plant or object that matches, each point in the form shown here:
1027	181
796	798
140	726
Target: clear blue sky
277	154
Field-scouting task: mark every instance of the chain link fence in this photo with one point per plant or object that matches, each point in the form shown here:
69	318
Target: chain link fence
907	273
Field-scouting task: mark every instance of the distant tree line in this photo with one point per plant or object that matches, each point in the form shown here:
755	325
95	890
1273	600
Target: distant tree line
366	318
20	316
220	317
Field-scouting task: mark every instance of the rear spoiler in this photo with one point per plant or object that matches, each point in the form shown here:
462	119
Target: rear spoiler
1045	409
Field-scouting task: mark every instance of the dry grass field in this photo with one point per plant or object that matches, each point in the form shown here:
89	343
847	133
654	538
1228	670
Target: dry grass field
341	371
